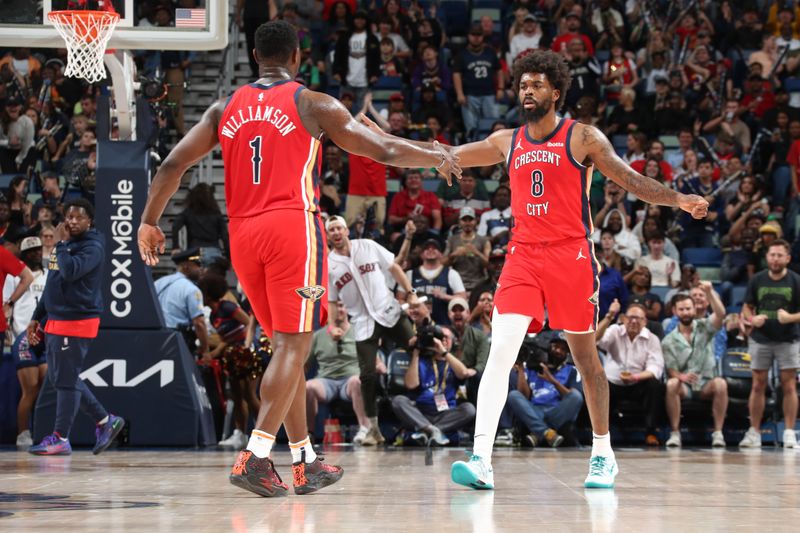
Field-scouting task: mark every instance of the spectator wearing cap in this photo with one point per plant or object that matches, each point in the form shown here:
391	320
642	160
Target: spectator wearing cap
436	279
433	71
357	59
469	193
467	252
546	398
30	362
729	123
181	300
478	81
634	364
702	233
412	199
572	29
415	234
528	38
17	133
471	345
357	271
30	250
584	70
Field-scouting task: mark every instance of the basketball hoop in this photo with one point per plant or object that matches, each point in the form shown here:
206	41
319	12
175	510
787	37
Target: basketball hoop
86	34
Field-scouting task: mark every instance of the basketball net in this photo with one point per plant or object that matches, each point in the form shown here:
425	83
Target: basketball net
86	34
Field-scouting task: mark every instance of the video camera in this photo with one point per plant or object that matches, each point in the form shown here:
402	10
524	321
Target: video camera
425	337
535	350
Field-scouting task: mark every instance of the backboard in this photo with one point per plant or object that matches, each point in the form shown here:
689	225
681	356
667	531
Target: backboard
201	25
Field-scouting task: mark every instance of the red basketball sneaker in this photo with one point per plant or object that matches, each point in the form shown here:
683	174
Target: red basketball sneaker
257	475
310	477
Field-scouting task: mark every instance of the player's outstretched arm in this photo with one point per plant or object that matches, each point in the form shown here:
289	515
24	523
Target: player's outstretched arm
490	151
592	143
200	140
324	114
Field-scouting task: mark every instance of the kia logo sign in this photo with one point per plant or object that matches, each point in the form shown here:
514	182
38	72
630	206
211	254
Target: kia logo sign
119	376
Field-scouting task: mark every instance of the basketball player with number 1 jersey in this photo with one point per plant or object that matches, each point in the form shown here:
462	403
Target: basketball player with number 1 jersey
550	268
270	133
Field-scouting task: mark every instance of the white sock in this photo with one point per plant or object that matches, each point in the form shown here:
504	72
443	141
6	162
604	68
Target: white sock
508	332
601	445
261	443
297	449
103	421
373	422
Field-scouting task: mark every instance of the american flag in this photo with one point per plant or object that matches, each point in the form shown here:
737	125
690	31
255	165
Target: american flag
190	18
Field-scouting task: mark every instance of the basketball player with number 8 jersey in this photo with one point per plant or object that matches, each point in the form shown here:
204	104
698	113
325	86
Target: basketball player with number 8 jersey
270	132
550	267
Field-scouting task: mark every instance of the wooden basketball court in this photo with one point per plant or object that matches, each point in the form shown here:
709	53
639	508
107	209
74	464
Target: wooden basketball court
392	490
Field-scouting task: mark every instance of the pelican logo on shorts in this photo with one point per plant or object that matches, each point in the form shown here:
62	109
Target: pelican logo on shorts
312	292
594	298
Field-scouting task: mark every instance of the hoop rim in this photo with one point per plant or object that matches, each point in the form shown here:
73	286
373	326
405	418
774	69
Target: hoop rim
88	14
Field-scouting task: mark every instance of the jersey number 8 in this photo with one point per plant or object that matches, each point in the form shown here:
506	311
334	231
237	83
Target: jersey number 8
537	183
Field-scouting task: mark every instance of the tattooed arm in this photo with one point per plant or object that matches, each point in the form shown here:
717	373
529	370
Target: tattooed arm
589	142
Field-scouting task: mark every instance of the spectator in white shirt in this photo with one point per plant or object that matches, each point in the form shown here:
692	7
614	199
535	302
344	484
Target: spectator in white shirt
664	271
496	222
634	364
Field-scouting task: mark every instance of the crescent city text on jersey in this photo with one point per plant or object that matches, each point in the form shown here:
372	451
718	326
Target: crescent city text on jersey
266	113
537	156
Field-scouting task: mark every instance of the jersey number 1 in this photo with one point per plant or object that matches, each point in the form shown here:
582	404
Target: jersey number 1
255	144
537	183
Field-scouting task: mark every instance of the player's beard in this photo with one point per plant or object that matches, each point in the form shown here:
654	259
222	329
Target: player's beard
537	113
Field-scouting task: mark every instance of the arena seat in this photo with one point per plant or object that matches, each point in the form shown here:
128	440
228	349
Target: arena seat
388	83
661	292
491	12
702	257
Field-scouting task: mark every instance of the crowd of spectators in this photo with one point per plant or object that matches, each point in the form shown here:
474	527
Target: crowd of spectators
701	96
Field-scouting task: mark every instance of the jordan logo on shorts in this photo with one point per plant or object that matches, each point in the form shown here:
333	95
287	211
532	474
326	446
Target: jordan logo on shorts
580	254
312	292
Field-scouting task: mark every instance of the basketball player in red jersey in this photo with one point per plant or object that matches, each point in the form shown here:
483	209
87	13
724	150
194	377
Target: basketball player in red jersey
551	262
270	133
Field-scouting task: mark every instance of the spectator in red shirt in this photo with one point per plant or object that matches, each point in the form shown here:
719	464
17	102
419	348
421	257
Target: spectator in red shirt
656	151
793	158
413	200
573	24
10	265
367	188
756	99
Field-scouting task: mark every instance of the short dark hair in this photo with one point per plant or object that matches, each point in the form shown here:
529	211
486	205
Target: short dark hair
276	40
551	64
213	286
681	296
80	203
781	242
656	235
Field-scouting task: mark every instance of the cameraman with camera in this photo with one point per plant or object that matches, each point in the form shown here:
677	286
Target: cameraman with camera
546	398
434	374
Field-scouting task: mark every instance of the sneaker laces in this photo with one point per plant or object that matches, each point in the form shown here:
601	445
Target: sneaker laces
51	440
597	466
480	464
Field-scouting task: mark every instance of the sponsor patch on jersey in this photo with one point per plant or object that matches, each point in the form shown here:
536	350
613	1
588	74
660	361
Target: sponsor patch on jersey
555	145
594	298
312	292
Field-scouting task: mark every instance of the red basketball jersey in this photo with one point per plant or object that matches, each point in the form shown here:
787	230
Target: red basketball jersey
549	189
271	161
